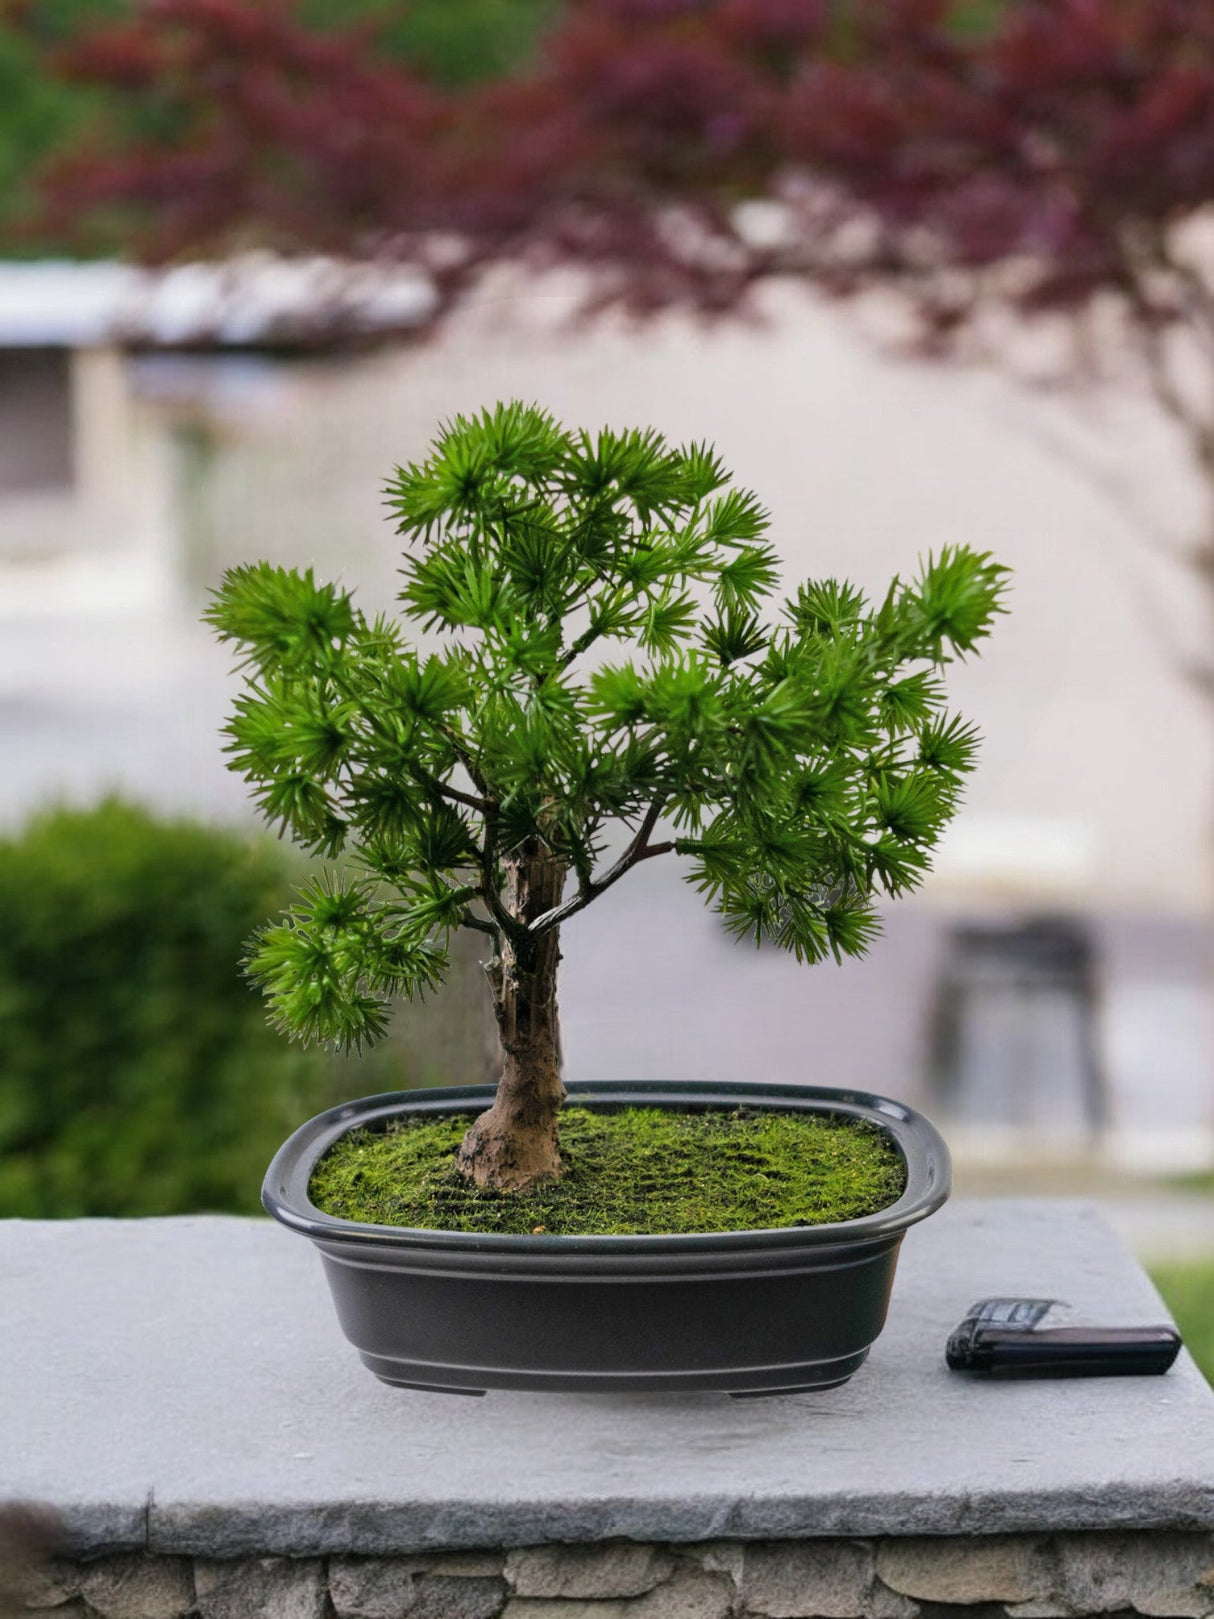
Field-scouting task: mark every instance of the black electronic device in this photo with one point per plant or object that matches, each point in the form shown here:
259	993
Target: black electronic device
1002	1337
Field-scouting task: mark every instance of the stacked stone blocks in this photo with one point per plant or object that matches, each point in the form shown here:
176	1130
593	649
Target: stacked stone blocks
1098	1575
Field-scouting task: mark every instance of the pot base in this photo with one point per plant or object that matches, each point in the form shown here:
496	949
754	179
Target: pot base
752	1382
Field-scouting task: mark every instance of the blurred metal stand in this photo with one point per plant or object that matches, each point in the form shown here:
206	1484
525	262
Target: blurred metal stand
1013	1044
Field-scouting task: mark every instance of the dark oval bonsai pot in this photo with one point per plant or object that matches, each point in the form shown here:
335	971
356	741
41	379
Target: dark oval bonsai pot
741	1312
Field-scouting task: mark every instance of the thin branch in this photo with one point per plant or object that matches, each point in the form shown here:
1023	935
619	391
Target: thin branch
480	805
1197	426
577	647
649	853
639	849
444	790
460	748
426	778
594	630
479	923
509	925
1197	294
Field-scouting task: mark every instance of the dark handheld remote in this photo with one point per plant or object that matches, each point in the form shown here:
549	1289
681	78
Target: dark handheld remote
1001	1338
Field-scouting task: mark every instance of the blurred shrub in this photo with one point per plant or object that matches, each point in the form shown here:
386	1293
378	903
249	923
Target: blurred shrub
1187	1287
137	1072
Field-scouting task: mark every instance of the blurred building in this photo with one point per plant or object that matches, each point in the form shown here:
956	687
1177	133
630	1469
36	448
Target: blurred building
153	432
107	375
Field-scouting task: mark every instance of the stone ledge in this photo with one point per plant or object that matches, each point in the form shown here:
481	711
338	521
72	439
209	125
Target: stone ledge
181	1386
1158	1576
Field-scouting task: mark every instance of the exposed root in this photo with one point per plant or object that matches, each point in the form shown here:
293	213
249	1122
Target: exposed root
508	1155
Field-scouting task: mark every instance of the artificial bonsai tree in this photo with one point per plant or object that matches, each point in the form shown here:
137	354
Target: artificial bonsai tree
503	782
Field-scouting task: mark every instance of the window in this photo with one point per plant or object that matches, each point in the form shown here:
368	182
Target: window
35	420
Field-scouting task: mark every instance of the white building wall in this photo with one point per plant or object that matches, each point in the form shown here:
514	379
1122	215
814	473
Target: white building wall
106	541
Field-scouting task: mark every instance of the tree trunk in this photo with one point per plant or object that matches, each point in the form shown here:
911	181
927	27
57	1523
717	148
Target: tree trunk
513	1146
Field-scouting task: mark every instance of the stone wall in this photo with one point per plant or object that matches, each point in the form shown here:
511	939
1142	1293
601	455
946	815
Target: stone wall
1062	1576
178	1396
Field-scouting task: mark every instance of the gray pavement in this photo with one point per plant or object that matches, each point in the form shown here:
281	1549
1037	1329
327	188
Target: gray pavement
182	1384
1162	1224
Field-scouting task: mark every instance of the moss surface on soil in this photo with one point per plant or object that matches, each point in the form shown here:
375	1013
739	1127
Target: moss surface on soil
640	1170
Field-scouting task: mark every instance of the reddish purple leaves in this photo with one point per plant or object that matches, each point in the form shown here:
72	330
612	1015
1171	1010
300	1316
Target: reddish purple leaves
904	139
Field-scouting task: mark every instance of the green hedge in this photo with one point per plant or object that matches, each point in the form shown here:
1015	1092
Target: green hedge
1187	1287
137	1072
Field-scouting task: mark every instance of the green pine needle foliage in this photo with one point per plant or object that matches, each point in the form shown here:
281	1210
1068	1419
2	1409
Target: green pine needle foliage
611	661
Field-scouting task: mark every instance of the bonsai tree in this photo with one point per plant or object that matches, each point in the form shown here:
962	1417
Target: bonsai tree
604	693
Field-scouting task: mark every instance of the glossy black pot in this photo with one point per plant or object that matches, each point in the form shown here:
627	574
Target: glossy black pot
740	1312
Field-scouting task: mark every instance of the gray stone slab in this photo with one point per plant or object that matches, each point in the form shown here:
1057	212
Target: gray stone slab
183	1383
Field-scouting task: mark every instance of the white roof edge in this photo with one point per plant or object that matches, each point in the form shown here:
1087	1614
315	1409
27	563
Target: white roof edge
256	298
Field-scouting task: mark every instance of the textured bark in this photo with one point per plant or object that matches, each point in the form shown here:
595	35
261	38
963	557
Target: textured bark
513	1145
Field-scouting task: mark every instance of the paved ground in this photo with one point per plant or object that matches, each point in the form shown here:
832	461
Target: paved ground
1159	1224
249	1426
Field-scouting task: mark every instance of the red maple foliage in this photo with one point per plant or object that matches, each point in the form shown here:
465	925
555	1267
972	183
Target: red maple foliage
900	139
1012	155
245	126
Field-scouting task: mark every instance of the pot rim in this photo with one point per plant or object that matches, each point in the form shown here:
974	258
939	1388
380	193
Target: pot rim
284	1192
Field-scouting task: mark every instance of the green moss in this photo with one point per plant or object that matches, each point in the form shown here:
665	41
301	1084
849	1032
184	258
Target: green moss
639	1170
